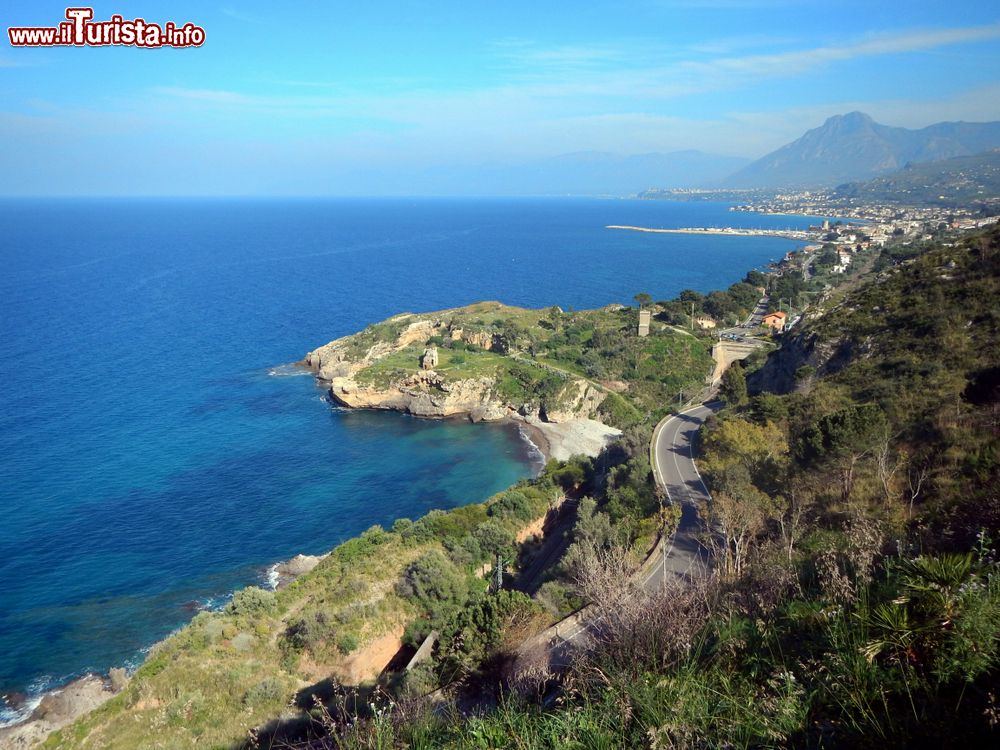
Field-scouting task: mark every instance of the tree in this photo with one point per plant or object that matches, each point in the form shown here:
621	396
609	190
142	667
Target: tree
643	299
733	388
844	438
887	463
767	407
736	516
760	449
719	305
494	539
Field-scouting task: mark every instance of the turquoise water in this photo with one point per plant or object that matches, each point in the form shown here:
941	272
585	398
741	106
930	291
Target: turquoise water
155	454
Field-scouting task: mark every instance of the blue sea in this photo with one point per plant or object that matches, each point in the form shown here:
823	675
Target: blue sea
157	451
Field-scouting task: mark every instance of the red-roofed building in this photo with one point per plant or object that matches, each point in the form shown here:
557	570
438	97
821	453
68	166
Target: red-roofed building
775	321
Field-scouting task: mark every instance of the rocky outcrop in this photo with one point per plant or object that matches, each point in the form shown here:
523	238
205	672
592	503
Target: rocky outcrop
59	708
802	357
425	394
298	565
345	356
579	398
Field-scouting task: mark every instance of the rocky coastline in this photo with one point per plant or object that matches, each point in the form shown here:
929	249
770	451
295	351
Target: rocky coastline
58	708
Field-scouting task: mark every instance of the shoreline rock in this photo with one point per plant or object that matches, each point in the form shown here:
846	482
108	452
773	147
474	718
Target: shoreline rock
60	707
283	573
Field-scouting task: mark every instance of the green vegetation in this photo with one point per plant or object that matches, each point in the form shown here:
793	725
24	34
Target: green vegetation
855	594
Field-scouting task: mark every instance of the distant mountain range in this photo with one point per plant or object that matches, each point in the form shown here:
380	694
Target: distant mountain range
960	181
854	147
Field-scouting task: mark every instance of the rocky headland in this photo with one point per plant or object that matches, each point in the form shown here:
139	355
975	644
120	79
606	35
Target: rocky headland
465	363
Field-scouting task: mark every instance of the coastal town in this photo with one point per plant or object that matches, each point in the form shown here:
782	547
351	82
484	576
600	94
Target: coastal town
849	239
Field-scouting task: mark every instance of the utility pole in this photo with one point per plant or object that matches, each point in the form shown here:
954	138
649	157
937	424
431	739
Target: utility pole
663	550
663	543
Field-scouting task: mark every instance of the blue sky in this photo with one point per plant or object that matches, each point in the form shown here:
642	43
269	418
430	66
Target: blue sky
370	97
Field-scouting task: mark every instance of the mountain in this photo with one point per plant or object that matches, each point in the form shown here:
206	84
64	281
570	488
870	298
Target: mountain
585	173
959	181
854	147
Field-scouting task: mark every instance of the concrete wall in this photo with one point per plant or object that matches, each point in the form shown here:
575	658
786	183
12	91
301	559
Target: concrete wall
726	352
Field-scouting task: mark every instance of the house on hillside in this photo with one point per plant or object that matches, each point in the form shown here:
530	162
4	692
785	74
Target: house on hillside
775	321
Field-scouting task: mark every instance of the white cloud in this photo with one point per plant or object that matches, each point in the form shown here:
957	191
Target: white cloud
789	63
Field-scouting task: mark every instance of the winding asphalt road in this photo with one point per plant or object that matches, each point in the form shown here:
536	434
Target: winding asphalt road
683	555
676	473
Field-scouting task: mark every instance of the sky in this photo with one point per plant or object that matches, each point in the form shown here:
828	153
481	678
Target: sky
376	98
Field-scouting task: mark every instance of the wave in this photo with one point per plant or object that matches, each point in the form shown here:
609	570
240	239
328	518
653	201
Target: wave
271	576
16	708
534	452
12	714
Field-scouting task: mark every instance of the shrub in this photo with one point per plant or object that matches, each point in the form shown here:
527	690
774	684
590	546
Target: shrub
362	546
243	642
347	643
480	628
512	504
420	531
570	476
431	579
402	525
558	598
494	539
464	552
188	708
268	690
251	601
618	412
309	631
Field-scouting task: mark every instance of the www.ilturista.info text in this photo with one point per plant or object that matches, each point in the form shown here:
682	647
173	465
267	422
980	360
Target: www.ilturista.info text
80	30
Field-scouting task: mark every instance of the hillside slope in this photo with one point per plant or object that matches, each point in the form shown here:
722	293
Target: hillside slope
962	181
